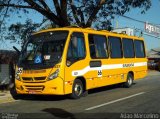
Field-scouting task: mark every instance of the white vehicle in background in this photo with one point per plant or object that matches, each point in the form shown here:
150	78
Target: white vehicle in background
126	30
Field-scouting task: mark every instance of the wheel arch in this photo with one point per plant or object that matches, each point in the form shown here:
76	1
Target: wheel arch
132	73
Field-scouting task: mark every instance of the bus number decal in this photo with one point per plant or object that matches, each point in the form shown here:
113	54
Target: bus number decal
56	66
99	73
19	71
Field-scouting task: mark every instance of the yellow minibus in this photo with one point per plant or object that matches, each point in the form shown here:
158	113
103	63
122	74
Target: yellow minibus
71	60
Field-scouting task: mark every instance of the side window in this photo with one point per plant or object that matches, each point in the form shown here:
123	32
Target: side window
128	48
139	48
98	46
76	49
115	47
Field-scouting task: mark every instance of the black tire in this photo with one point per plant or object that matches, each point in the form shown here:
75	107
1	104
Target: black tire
129	81
77	89
14	94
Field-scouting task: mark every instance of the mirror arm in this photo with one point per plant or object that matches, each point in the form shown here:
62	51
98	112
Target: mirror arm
16	50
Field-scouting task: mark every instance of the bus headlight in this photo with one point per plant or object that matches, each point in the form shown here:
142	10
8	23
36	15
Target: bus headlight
54	75
17	77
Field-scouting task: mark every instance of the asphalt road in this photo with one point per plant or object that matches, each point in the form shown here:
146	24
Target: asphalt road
106	102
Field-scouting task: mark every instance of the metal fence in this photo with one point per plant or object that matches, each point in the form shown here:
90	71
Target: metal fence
5	76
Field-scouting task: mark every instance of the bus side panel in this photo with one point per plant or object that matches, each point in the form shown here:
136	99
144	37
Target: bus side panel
112	73
141	71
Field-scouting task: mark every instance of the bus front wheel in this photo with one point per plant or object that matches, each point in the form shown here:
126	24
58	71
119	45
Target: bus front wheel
14	94
129	81
77	89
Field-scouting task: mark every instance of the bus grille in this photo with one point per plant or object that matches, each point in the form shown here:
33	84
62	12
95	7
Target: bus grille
27	78
35	88
39	78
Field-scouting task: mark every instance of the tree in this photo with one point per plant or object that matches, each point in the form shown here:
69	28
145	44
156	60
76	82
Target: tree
84	13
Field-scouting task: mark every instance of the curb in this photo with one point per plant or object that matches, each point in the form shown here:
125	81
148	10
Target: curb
4	93
5	97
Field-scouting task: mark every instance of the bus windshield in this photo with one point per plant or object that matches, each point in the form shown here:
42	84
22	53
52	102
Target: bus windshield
43	49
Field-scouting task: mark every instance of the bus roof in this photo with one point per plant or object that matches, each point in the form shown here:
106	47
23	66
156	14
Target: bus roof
90	30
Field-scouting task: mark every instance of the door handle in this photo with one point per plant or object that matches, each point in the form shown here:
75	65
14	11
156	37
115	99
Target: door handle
97	63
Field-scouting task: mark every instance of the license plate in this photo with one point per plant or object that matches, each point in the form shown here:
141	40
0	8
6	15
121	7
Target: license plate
32	92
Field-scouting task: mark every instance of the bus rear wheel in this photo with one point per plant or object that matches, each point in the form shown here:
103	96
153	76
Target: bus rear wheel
77	89
129	81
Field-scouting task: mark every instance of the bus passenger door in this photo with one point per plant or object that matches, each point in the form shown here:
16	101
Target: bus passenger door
76	63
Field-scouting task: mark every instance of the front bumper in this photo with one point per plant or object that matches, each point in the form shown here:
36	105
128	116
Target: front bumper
52	87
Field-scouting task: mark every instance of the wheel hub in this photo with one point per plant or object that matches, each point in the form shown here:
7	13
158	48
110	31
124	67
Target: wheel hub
78	89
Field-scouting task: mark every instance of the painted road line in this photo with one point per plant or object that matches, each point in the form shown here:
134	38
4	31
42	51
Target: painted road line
111	102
